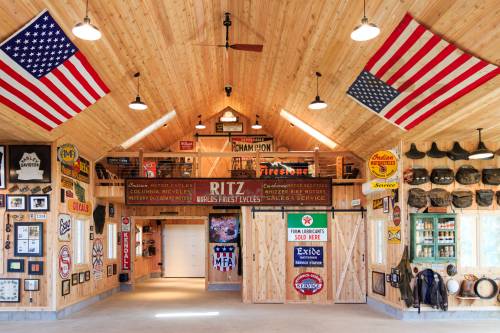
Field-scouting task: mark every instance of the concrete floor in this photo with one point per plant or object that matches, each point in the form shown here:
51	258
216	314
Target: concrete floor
187	308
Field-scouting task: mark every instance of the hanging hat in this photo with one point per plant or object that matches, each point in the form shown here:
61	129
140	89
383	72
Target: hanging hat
414	153
453	286
451	270
457	152
434	152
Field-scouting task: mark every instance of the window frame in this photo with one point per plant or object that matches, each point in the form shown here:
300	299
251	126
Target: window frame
84	241
112	246
379	227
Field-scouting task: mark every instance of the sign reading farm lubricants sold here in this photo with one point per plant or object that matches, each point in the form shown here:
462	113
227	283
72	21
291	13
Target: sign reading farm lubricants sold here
225	191
307	228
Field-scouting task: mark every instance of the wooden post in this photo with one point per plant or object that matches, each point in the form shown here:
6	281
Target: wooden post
141	162
339	166
316	162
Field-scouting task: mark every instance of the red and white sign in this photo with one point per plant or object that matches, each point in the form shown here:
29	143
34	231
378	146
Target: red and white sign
64	262
308	283
126	223
186	145
149	169
126	250
396	215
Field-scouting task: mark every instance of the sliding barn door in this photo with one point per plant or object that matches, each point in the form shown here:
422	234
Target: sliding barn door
268	258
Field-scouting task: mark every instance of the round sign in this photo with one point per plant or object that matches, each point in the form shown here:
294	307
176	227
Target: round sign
396	215
307	220
67	154
308	283
383	164
64	262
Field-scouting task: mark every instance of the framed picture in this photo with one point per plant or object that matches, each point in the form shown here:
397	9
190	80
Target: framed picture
3	183
64	227
115	269
223	228
35	267
29	164
28	239
2	200
385	202
378	283
65	287
81	277
15	202
87	275
39	203
74	279
110	270
10	290
15	265
31	284
91	236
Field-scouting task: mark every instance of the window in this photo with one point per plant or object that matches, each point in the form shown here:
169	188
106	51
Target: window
138	241
112	237
479	234
378	241
80	240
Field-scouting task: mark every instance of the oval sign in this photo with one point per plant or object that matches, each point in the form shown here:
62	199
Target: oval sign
67	154
308	283
383	164
64	262
396	215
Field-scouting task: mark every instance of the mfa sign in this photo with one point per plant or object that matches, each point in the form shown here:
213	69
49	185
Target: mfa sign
307	256
224	259
307	228
223	192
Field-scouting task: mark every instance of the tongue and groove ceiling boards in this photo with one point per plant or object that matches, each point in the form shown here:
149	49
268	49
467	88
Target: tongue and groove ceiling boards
163	40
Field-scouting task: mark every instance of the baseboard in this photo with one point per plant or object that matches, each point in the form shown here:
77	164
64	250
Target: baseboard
224	287
429	314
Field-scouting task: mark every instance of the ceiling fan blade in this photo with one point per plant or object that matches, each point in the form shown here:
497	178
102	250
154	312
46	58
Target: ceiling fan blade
247	47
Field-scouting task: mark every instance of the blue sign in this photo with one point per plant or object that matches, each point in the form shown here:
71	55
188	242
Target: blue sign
307	256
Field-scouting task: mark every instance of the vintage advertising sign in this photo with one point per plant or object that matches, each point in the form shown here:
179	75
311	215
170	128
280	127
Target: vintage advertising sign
64	263
307	227
126	223
281	169
64	226
149	169
30	164
308	283
383	164
396	215
307	256
77	207
118	160
224	191
378	203
80	170
252	144
97	258
228	127
384	185
125	241
224	258
66	182
394	234
186	145
67	154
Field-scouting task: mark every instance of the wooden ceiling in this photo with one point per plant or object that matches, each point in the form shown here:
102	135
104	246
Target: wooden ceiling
159	38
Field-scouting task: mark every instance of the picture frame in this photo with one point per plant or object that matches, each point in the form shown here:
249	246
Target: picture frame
3	180
30	164
35	267
31	284
378	283
91	236
15	202
15	265
39	203
2	200
65	287
87	275
385	203
81	277
115	269
74	279
28	239
223	227
10	290
110	270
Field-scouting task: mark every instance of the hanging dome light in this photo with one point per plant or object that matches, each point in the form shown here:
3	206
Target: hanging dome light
481	153
257	126
317	104
200	125
365	31
228	117
137	104
85	30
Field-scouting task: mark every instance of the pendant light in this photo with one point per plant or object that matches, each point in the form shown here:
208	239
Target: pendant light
365	31
317	104
257	126
137	104
481	153
85	30
200	125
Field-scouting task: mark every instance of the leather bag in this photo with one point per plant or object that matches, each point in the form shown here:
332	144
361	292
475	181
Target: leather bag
491	176
467	175
439	197
442	176
484	198
461	198
417	198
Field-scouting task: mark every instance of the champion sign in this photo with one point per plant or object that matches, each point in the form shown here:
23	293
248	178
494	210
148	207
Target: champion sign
224	259
308	283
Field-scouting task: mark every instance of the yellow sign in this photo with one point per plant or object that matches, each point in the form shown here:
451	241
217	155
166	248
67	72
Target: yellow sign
77	207
390	185
394	235
66	182
383	164
67	154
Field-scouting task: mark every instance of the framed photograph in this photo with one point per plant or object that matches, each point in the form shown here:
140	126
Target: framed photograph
15	202
35	267
378	283
74	279
65	287
31	284
28	239
3	183
39	203
87	275
385	203
2	200
110	270
10	290
91	236
29	164
223	228
15	265
81	277
115	269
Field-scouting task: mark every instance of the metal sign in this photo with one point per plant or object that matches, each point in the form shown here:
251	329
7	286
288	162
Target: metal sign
307	227
64	262
383	164
64	226
77	207
307	256
186	145
282	169
224	258
125	250
97	258
67	154
80	170
308	283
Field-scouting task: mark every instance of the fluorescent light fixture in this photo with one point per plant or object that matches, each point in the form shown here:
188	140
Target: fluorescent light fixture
187	314
148	130
308	129
228	117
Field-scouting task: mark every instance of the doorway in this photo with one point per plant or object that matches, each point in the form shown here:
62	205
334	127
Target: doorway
184	250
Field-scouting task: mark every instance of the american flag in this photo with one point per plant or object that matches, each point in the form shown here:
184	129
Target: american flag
415	74
44	76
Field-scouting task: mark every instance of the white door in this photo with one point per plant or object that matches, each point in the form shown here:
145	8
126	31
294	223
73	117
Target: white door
184	254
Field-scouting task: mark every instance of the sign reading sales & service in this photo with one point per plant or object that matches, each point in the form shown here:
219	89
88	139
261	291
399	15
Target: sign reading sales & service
307	228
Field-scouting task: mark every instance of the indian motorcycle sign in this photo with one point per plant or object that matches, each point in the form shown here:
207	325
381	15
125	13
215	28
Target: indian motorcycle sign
224	191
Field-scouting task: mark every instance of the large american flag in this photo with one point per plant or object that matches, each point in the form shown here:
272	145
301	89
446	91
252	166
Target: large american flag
44	76
415	74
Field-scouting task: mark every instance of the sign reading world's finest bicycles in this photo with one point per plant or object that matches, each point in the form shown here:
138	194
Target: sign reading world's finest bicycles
225	191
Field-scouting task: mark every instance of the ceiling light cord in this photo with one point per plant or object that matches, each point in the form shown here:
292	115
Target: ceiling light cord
480	129
364	9
87	9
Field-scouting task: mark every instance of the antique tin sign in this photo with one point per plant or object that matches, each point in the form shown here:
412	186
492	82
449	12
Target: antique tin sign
186	145
77	207
396	215
67	154
308	283
64	226
307	227
307	256
80	170
224	258
281	169
394	235
64	262
383	164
